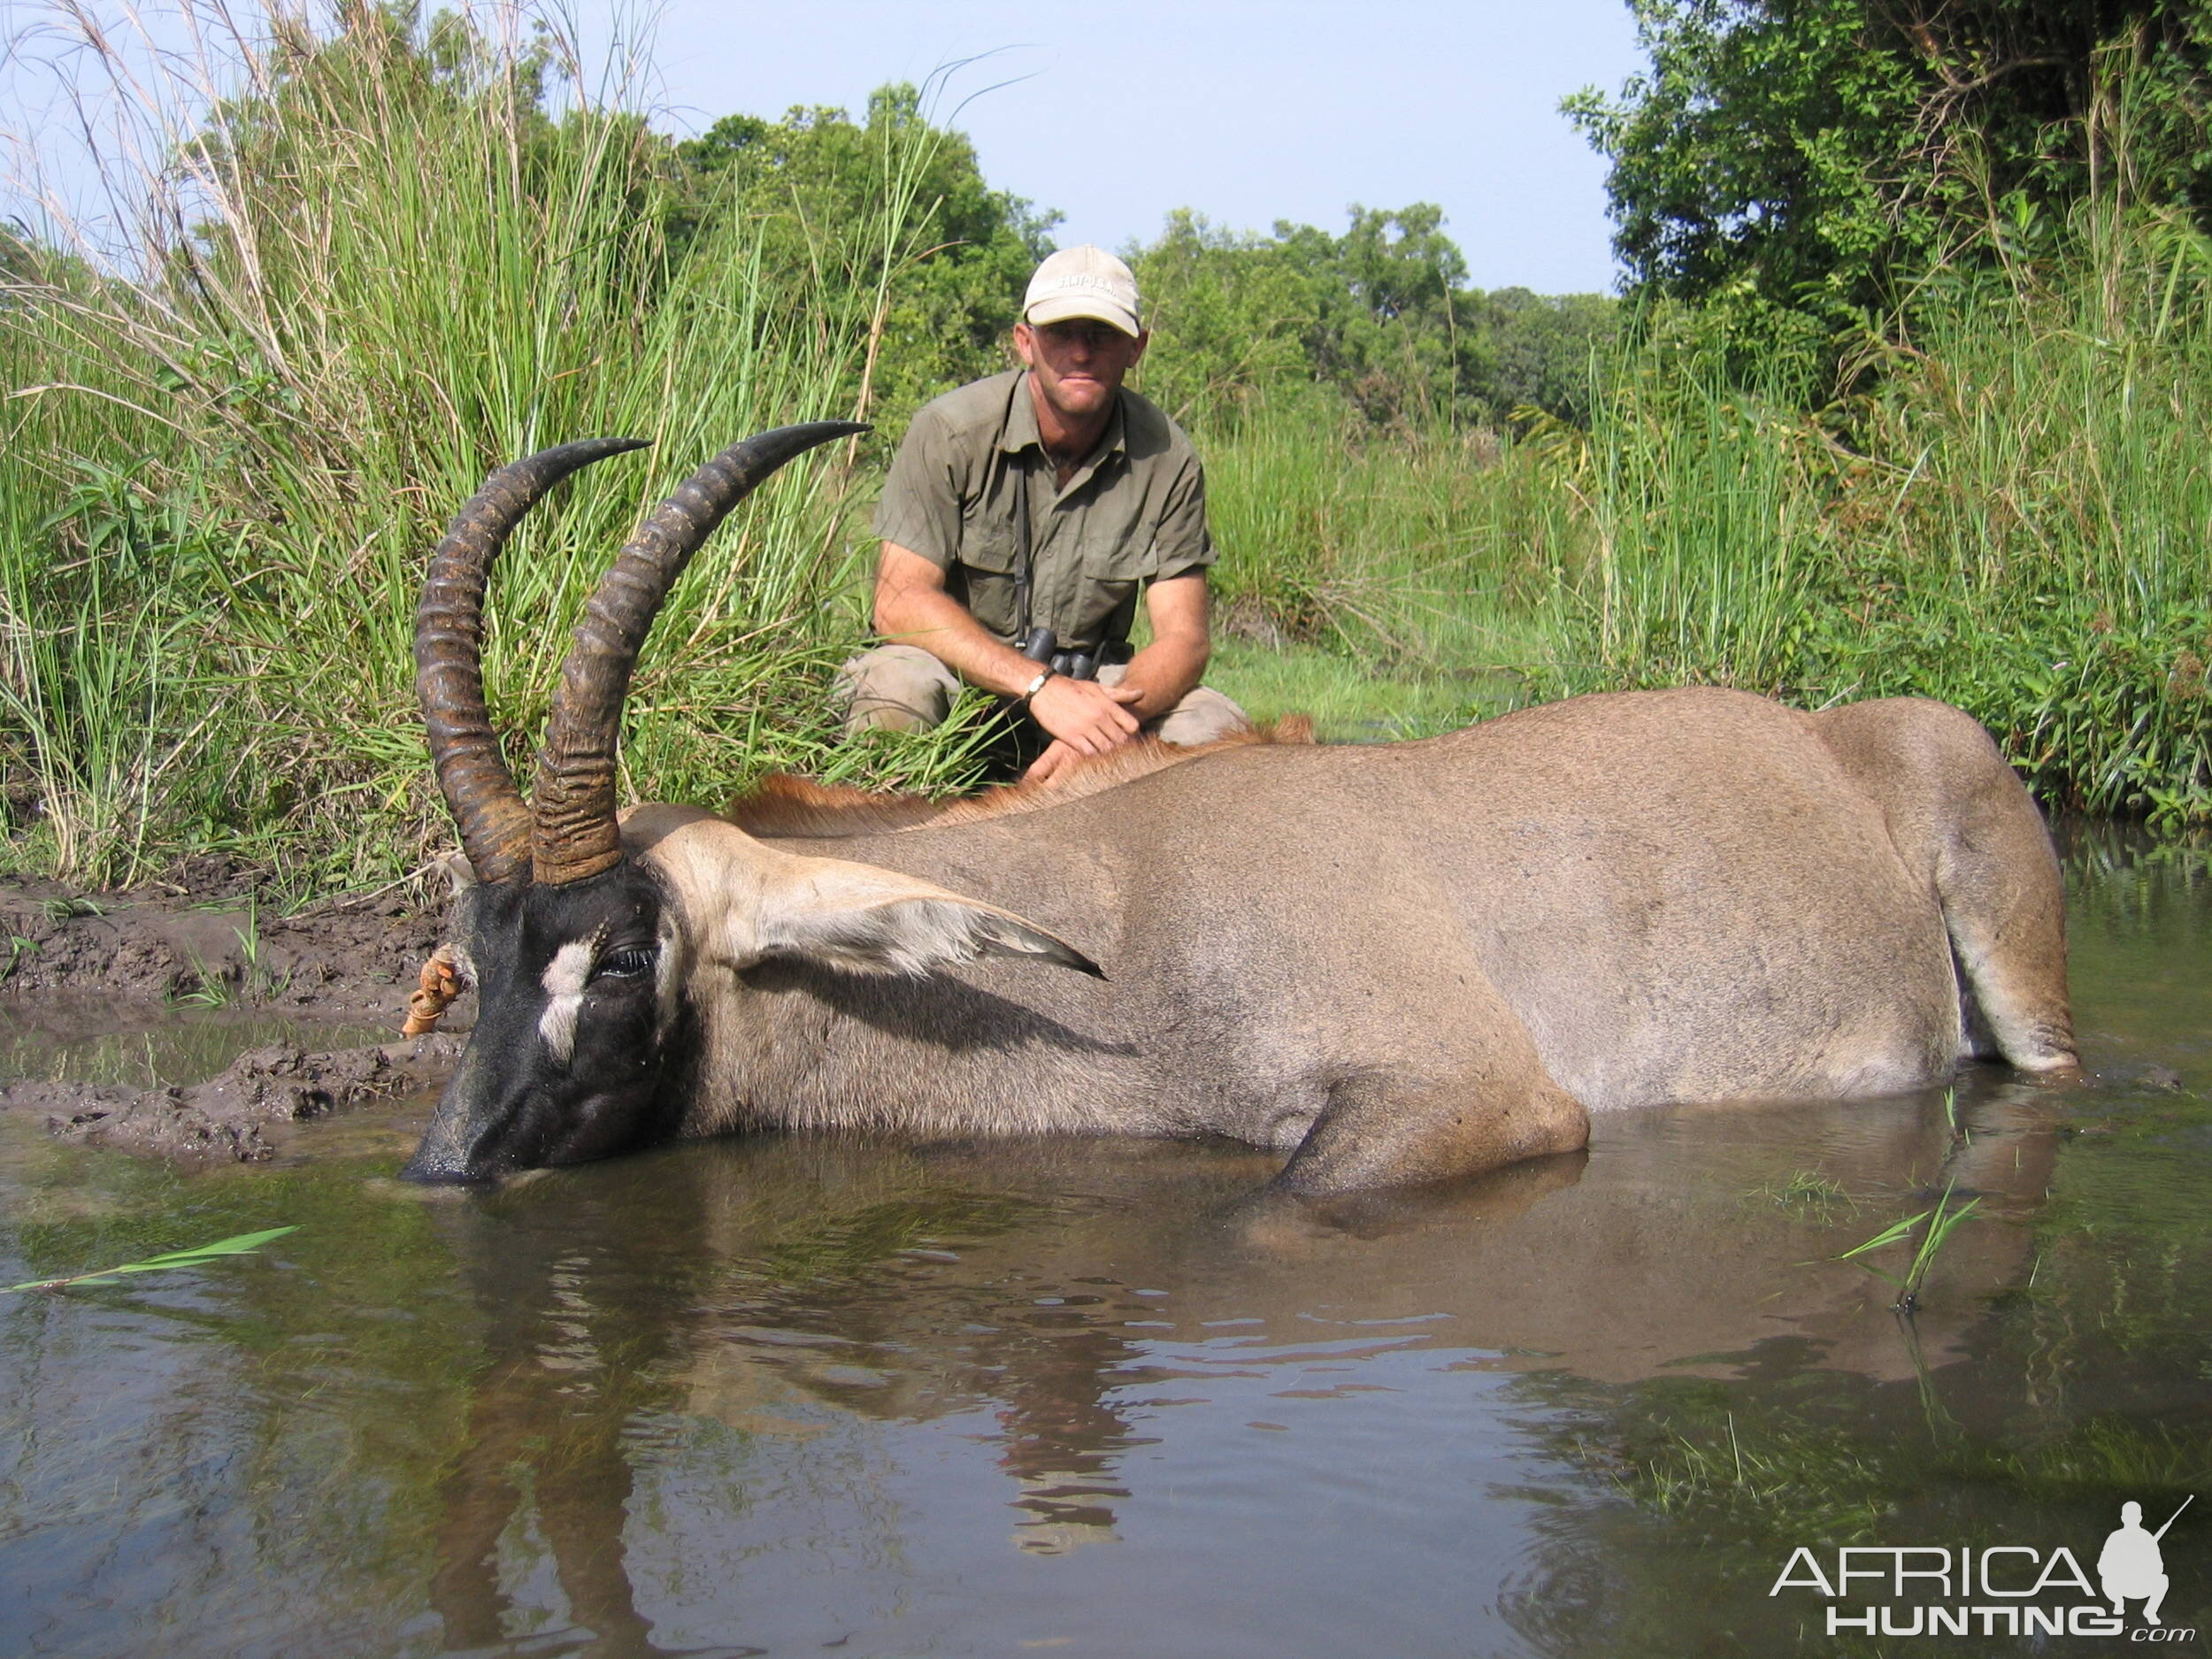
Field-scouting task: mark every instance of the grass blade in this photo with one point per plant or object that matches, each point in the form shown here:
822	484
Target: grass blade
237	1244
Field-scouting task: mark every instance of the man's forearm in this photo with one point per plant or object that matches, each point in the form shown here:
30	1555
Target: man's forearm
913	608
941	626
1166	672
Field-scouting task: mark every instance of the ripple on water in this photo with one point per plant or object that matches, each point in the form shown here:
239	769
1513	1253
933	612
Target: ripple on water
796	1396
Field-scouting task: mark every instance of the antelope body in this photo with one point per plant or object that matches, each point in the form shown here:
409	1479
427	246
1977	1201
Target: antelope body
1395	964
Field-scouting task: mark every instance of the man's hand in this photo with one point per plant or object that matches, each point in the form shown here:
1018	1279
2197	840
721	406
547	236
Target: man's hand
1056	762
1088	717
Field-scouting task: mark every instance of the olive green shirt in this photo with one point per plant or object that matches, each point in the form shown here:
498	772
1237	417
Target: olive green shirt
1135	511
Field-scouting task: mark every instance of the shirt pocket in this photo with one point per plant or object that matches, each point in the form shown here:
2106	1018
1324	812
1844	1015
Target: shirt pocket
983	578
1115	570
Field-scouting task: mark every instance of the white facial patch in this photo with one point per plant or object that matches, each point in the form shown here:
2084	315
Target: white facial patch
667	974
563	981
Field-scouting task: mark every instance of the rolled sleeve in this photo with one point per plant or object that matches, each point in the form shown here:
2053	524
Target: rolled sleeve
921	506
1182	542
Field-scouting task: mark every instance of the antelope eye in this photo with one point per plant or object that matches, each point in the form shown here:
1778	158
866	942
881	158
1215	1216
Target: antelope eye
627	964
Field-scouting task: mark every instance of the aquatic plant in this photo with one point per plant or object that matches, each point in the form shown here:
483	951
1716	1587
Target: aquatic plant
198	1255
1936	1226
1803	1189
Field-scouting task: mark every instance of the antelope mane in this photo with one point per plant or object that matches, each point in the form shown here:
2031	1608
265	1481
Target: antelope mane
780	804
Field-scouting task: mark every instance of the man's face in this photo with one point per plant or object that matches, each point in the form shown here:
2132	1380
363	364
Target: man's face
1080	364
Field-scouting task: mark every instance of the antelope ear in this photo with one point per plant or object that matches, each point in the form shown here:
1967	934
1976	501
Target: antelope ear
879	921
746	900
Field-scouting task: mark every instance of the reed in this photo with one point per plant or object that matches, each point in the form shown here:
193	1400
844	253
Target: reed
2011	518
1406	550
360	269
369	268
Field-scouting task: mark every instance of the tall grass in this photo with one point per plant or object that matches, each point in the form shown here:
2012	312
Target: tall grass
2015	515
355	269
378	264
1417	559
2015	520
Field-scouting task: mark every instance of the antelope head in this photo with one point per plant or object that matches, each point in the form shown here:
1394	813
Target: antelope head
588	940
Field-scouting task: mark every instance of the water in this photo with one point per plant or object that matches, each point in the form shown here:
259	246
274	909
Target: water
795	1396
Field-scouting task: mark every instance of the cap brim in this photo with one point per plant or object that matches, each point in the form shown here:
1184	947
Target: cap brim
1067	307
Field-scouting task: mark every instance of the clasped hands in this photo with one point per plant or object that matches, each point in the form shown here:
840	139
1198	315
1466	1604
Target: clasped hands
1084	717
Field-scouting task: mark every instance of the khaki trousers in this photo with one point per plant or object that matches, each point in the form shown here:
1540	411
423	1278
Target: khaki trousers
903	688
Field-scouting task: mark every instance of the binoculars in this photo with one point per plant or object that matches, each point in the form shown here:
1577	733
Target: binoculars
1043	647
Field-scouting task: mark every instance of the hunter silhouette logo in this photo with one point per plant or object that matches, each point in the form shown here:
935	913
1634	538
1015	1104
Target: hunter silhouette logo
1994	1589
2131	1564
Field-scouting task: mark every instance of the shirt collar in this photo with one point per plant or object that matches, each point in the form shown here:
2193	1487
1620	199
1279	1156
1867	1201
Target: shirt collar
1021	427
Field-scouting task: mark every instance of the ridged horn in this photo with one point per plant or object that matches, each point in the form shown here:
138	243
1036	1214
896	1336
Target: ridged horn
573	834
473	775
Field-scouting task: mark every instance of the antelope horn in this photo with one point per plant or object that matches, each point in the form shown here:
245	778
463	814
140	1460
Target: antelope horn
473	775
573	833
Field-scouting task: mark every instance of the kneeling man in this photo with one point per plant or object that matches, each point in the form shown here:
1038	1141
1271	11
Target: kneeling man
1047	498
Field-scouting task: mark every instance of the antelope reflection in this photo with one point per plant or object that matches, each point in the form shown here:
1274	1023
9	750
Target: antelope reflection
781	1288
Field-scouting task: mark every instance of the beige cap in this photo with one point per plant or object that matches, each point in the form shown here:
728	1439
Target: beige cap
1084	282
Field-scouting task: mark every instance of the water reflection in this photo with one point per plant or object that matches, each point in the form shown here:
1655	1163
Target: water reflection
1088	1398
1065	1302
578	1314
72	1037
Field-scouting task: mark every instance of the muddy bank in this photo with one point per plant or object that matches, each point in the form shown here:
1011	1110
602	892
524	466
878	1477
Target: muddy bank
78	966
209	941
234	1116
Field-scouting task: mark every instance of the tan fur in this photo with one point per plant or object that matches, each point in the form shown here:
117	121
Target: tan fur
781	804
1398	963
747	902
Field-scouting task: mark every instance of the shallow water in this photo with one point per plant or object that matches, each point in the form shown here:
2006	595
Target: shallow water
1072	1398
78	1038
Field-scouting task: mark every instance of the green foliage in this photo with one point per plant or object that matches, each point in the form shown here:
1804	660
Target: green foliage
1539	352
942	288
1406	553
1797	167
396	263
2011	522
1805	1191
1378	321
1935	1226
406	255
1230	314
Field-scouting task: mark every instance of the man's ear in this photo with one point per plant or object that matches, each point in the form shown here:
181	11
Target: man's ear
877	921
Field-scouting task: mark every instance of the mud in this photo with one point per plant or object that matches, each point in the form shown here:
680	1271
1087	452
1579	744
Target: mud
73	964
212	940
235	1115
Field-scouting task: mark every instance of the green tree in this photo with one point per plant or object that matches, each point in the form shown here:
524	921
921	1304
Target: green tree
1537	349
1796	166
1233	315
944	293
1379	321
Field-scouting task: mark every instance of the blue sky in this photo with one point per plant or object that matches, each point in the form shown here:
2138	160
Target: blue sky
1249	112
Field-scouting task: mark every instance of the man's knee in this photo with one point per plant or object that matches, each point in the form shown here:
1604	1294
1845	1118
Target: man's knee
1204	717
895	688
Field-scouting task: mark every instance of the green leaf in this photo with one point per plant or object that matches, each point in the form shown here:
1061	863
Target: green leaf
238	1244
1890	1234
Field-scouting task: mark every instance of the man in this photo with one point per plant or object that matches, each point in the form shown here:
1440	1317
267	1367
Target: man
1047	497
2131	1564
